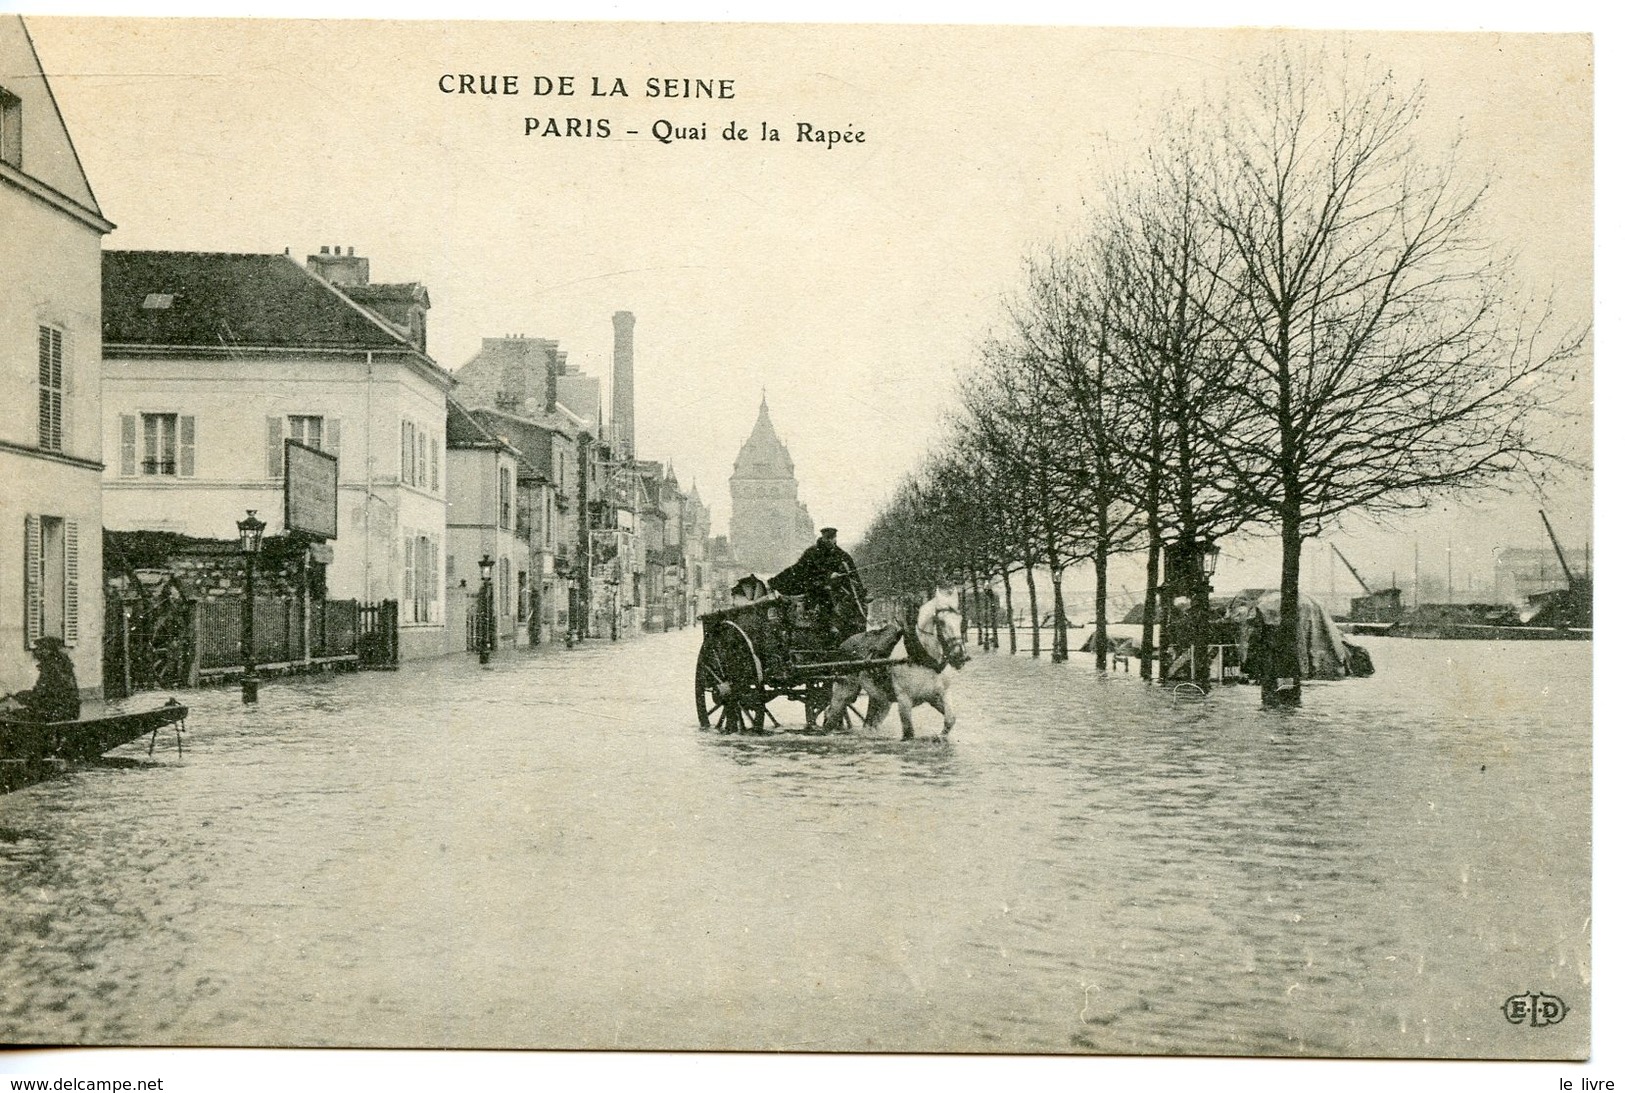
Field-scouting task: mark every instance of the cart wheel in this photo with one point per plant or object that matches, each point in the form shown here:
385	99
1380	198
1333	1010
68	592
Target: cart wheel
728	682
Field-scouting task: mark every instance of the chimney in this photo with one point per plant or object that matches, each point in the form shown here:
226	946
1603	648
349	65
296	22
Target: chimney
621	416
512	383
338	269
550	361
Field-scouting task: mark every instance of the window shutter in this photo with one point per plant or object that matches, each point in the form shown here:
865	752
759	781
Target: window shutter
406	453
127	431
435	578
273	447
330	437
70	570
186	427
33	579
423	460
50	388
434	464
65	439
409	586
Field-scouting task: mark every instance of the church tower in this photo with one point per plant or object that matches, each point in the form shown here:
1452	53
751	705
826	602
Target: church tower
770	527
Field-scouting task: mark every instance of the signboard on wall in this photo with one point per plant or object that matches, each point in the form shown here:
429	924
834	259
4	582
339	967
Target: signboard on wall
310	491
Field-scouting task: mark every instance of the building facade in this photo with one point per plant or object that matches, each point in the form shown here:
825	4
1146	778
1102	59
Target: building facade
483	520
51	231
548	510
769	527
213	361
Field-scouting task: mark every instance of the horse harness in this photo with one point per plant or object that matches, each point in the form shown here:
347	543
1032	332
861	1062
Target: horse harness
918	655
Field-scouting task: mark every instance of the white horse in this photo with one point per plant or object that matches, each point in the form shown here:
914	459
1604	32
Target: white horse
935	654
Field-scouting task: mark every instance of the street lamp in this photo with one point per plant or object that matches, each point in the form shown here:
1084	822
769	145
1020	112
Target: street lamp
1205	553
1210	557
250	530
487	621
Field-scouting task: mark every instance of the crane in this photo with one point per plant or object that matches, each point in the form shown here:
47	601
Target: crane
1562	561
1363	586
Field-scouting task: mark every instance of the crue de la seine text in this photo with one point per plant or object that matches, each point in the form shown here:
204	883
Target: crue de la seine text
666	131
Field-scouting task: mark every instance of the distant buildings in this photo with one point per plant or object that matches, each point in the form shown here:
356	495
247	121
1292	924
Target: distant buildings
550	485
51	449
1523	572
770	526
620	556
529	377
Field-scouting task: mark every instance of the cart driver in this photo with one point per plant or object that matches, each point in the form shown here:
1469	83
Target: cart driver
817	573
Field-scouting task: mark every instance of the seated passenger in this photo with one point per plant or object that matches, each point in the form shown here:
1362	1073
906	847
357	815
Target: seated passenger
55	696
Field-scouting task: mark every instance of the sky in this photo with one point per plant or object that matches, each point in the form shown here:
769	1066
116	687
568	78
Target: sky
847	283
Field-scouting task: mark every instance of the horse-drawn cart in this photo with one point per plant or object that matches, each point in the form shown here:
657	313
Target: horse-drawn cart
773	647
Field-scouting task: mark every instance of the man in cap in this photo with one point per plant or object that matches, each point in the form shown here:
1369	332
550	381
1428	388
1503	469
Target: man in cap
817	574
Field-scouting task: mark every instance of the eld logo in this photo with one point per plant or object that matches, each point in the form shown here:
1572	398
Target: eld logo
1535	1010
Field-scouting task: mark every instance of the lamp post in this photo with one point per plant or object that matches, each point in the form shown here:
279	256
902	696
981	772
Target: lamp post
250	530
487	619
615	607
1205	553
561	569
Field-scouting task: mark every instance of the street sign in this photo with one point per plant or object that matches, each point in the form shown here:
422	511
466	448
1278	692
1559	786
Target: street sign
310	491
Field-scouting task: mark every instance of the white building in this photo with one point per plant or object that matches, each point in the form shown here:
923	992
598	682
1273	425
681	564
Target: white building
50	366
212	361
550	485
483	520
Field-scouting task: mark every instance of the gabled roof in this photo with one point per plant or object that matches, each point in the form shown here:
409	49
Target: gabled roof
531	440
48	154
463	431
233	301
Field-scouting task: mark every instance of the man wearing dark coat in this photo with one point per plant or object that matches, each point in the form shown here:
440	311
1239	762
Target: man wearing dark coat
816	574
55	697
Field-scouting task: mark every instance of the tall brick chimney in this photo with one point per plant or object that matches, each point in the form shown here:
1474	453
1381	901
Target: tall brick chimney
621	415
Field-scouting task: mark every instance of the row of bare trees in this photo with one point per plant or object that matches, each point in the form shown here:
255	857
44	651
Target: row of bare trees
1285	310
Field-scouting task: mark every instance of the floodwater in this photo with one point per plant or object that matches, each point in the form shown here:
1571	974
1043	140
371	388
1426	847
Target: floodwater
549	853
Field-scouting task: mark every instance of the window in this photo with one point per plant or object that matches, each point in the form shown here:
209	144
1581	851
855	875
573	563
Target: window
157	444
505	586
524	597
51	578
306	431
505	498
434	463
11	128
50	388
421	579
158	436
409	453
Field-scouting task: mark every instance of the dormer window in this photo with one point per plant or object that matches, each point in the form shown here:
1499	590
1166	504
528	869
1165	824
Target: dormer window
11	128
158	301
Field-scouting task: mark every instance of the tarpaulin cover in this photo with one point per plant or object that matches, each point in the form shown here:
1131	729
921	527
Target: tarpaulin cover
1322	652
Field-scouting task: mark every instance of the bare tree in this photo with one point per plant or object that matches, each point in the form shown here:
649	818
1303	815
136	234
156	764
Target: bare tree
1173	345
1016	416
1382	345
